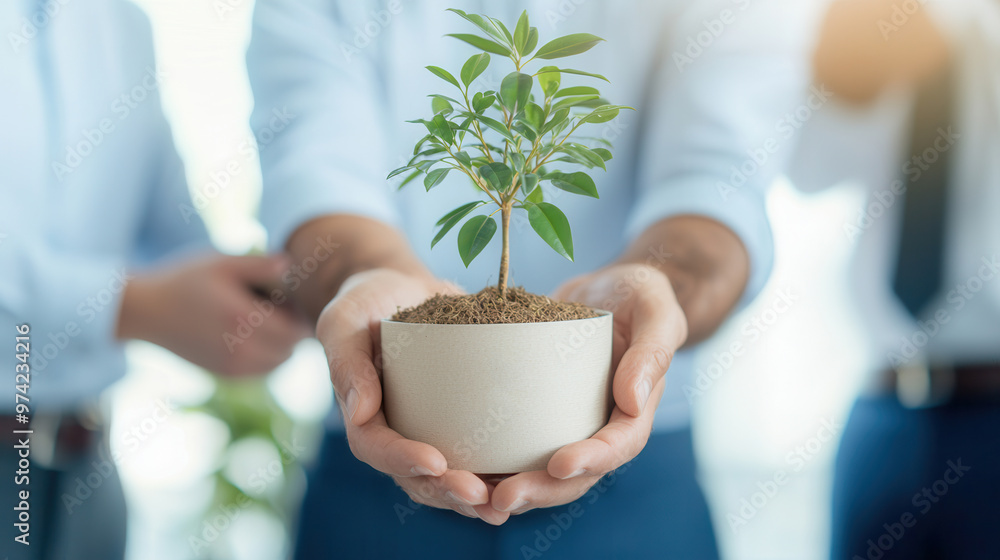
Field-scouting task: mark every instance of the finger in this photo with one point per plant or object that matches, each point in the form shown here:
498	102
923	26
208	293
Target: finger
387	451
657	329
537	489
258	271
611	447
281	329
349	351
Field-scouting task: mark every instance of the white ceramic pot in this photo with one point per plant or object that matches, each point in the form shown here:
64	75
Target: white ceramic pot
498	399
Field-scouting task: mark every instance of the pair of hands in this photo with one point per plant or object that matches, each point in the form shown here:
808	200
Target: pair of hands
649	326
216	311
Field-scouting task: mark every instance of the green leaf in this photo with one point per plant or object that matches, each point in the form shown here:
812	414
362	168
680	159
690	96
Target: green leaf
576	100
441	106
474	236
517	161
576	183
481	43
409	178
497	176
496	126
442	129
567	46
515	90
479	22
444	75
474	67
535	197
604	153
549	78
435	177
601	114
521	32
465	159
552	226
399	171
529	183
503	29
534	116
481	103
583	155
556	119
579	90
532	41
551	69
451	219
525	130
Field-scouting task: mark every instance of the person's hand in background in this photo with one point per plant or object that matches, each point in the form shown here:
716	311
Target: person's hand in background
213	311
349	330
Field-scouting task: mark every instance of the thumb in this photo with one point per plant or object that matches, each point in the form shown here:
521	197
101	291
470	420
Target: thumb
258	271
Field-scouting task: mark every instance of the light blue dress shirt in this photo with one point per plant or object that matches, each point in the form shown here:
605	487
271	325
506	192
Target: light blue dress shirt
350	74
90	187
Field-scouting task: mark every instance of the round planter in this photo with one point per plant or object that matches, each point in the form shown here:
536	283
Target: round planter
497	399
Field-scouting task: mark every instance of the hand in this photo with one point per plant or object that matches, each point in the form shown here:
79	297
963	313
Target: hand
209	311
349	328
649	327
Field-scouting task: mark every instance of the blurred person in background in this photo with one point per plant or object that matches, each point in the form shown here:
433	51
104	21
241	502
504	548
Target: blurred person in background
96	250
918	125
351	73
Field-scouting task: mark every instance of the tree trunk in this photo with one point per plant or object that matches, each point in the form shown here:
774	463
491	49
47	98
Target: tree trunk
505	255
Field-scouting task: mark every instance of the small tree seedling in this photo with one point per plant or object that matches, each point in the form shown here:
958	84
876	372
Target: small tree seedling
506	141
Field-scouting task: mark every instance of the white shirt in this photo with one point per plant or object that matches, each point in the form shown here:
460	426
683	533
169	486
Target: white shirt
353	72
868	146
90	185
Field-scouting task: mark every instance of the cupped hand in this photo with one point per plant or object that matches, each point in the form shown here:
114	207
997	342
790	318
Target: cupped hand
215	311
649	327
349	329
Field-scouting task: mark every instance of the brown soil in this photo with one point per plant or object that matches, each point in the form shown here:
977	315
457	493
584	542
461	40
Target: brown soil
487	307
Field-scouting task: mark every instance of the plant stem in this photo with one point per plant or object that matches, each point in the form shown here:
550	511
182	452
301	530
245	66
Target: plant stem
505	212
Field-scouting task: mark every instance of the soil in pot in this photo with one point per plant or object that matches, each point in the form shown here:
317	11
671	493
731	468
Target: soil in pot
489	307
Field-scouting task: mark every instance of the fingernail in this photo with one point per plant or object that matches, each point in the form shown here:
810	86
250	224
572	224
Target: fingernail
642	392
421	470
453	498
352	403
468	511
575	474
518	504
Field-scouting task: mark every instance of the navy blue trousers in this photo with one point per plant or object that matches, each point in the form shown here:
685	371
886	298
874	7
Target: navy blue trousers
918	484
650	508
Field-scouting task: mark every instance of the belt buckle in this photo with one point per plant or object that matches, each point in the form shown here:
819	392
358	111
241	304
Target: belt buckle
919	386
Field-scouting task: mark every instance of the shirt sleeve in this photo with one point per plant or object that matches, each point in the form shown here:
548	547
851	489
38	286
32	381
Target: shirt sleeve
319	130
720	128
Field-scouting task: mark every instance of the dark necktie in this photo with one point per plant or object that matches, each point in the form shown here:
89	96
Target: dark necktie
920	262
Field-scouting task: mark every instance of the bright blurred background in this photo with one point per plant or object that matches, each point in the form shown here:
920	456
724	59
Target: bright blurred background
219	474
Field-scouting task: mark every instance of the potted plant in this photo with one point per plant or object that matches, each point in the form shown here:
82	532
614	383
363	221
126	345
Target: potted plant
500	380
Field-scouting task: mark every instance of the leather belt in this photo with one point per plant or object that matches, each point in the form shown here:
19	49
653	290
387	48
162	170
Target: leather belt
921	386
